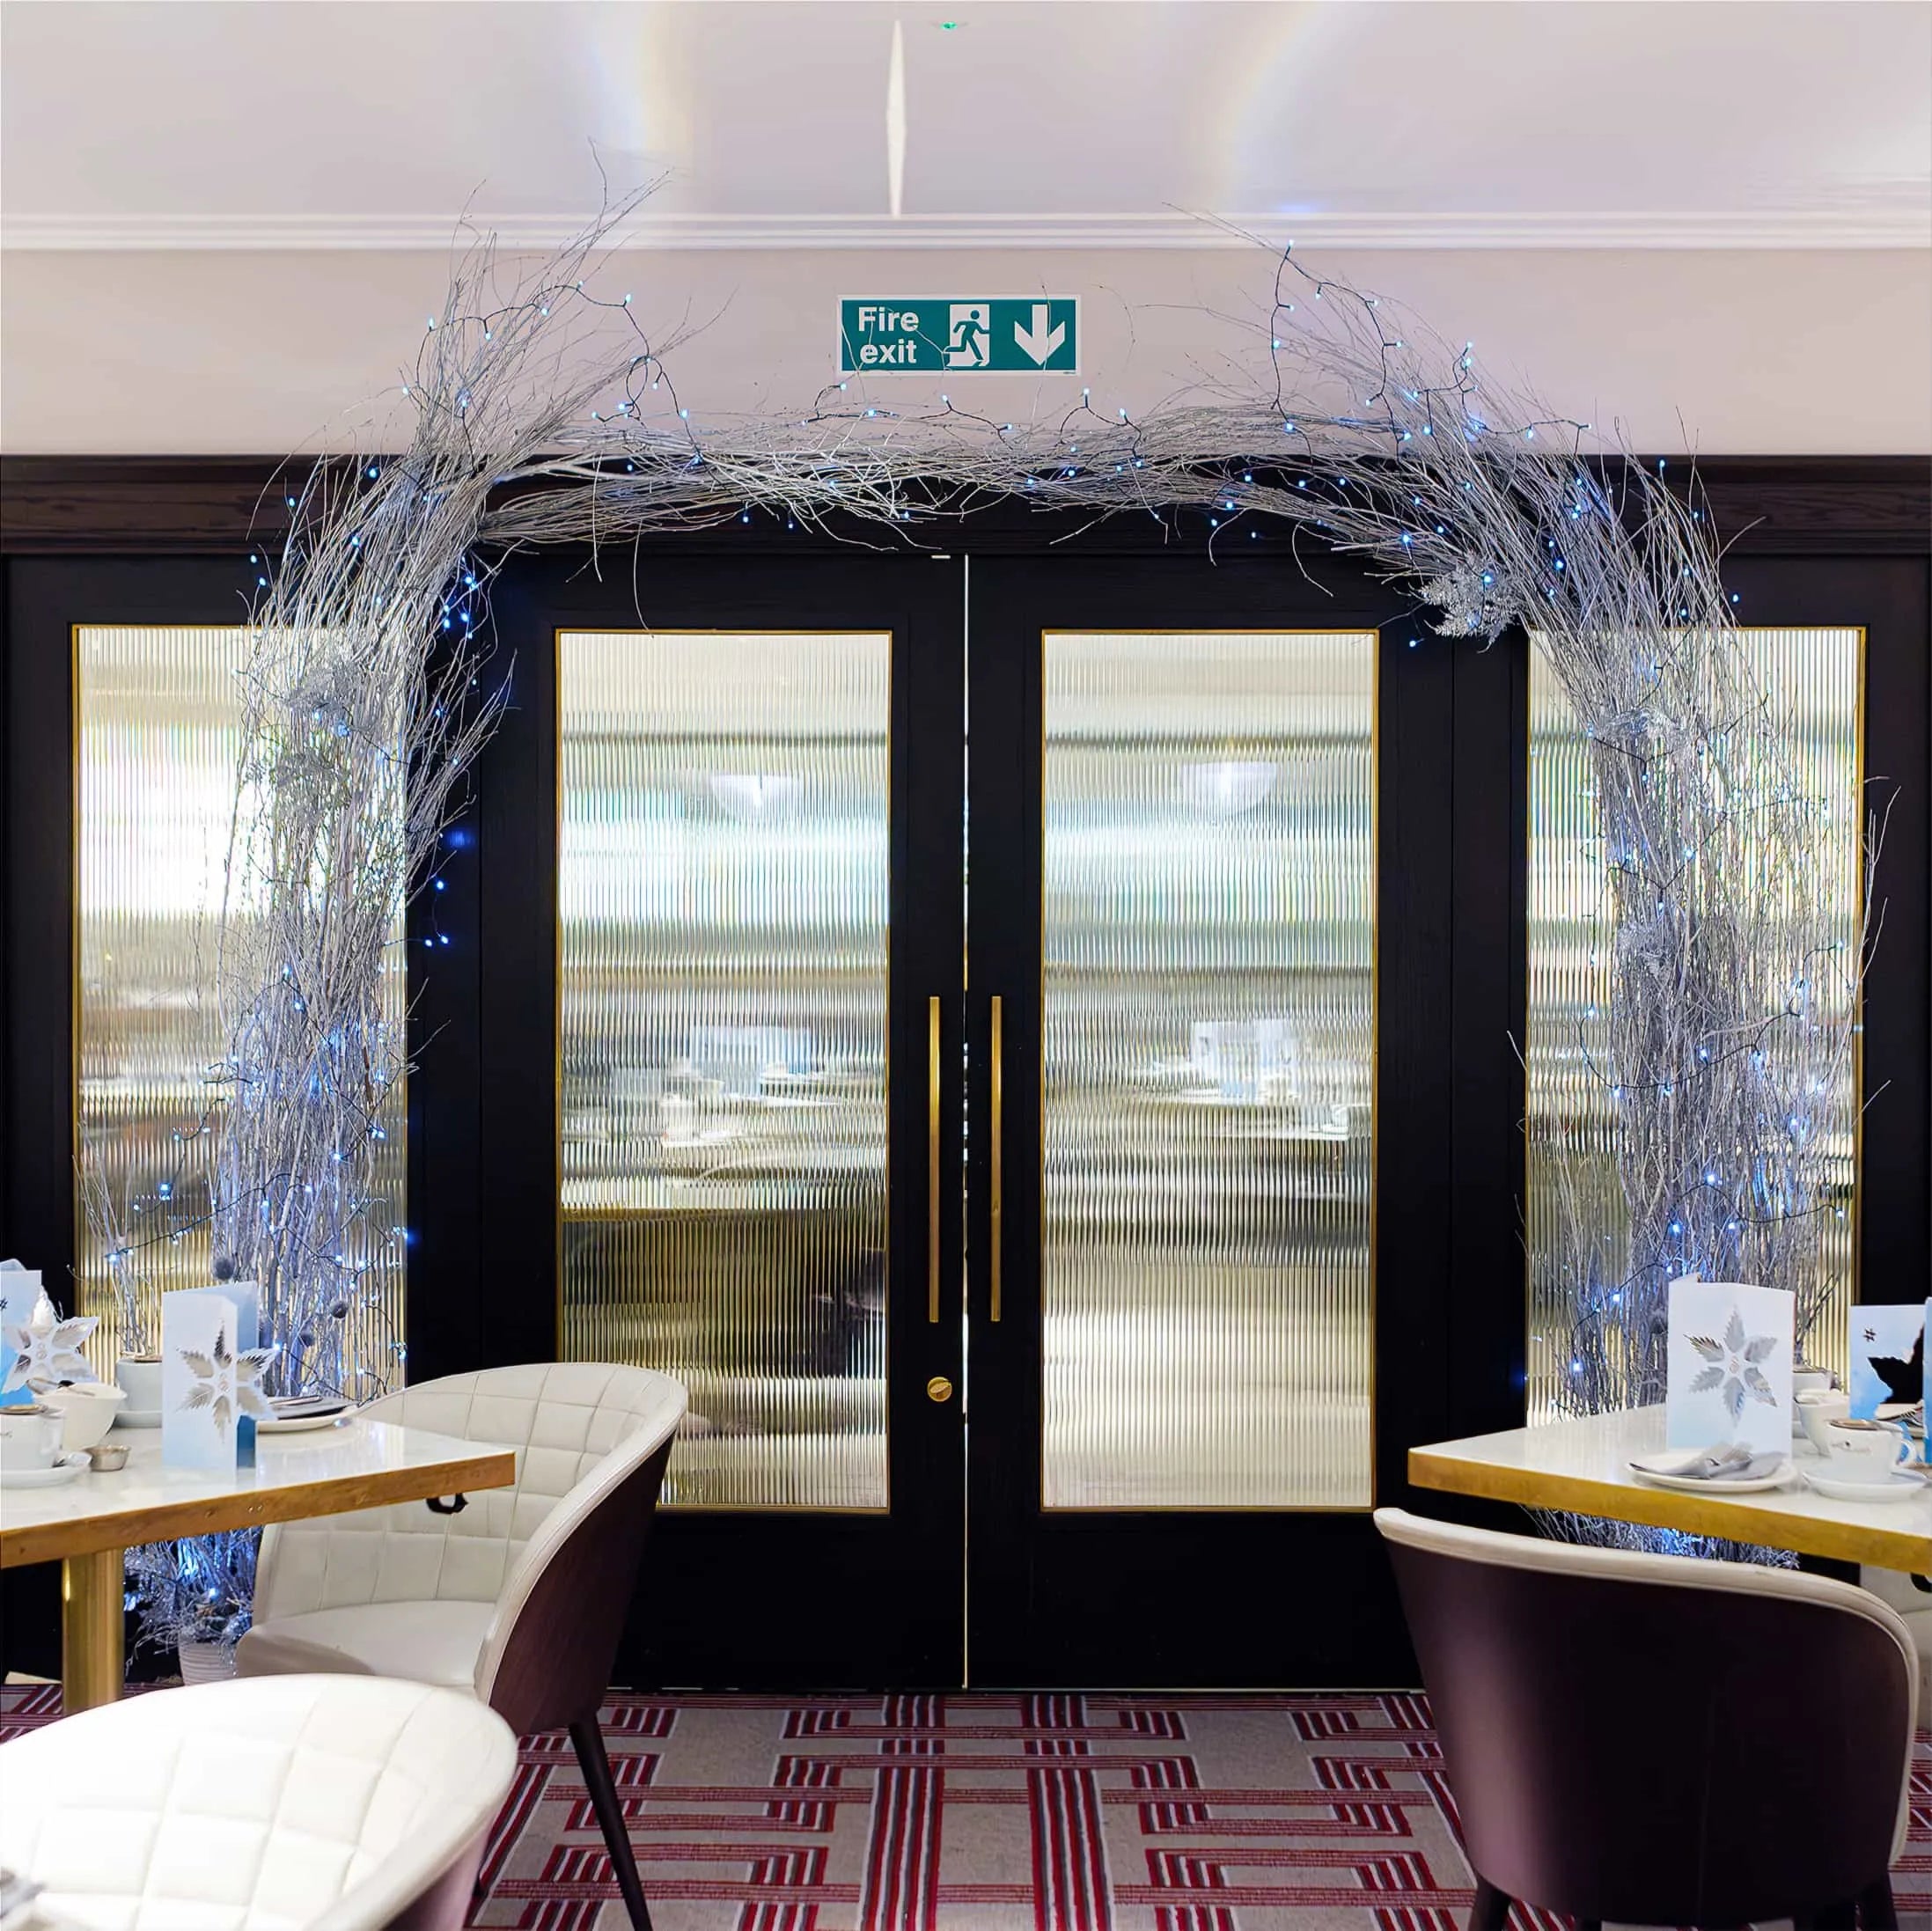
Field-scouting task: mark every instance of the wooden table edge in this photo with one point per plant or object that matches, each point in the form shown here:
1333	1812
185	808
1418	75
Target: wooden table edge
328	1496
1671	1509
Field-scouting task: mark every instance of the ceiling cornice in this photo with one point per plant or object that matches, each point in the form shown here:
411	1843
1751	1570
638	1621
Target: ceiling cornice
1810	229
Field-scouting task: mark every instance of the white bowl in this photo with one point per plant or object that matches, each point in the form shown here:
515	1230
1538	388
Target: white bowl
87	1412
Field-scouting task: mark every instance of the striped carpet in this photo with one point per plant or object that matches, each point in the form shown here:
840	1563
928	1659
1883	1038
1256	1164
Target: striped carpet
1043	1812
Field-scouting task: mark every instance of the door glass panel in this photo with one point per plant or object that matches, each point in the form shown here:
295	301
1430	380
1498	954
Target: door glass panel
1817	675
159	711
1208	1020
724	880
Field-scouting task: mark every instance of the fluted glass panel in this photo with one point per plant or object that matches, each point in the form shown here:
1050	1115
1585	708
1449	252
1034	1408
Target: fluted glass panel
1209	1027
1816	675
724	876
159	715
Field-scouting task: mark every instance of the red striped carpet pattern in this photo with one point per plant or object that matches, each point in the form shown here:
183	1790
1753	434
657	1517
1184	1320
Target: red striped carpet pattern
1039	1812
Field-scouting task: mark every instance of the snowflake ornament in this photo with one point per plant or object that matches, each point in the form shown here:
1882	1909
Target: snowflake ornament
1731	1366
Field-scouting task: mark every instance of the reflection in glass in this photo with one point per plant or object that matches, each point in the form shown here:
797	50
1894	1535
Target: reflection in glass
1208	1024
1816	674
722	874
159	715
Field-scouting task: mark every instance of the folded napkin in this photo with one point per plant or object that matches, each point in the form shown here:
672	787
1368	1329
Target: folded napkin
1728	1462
287	1407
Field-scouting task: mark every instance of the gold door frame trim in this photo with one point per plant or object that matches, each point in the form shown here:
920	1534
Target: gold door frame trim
558	632
1373	632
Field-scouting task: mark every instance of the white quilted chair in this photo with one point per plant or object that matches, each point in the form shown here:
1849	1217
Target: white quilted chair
1915	1607
304	1803
516	1595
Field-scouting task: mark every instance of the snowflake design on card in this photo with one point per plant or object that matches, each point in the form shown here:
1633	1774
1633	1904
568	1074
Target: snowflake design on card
47	1356
228	1385
1731	1366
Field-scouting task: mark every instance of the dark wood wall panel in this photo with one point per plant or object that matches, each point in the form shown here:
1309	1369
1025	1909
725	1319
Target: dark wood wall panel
149	505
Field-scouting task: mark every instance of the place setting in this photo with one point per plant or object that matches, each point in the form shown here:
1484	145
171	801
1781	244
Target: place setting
302	1415
1729	1466
1872	1459
1858	1461
32	1454
1742	1417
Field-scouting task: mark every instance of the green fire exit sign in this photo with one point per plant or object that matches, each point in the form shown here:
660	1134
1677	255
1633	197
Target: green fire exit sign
946	336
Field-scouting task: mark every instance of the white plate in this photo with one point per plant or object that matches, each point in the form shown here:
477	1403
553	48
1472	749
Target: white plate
300	1424
1692	1485
63	1471
1901	1486
138	1418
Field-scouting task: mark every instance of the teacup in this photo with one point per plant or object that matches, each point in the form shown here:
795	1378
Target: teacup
1806	1381
30	1437
1869	1452
1817	1409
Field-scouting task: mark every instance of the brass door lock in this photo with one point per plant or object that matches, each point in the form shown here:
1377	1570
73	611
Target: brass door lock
939	1389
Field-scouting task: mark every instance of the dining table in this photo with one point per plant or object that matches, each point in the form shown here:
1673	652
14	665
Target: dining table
1580	1465
87	1523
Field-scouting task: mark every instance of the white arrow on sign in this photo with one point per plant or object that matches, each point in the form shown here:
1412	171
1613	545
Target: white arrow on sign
1036	340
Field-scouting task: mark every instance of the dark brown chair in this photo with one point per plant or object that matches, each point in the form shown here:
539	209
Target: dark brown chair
520	1596
1658	1741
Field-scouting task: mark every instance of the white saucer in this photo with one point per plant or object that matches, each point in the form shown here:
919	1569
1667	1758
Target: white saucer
1901	1485
138	1418
300	1424
1711	1484
63	1471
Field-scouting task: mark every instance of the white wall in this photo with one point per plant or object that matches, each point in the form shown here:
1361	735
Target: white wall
1734	352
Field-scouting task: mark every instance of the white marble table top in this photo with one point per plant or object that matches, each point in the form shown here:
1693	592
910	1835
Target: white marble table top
1582	1467
320	1471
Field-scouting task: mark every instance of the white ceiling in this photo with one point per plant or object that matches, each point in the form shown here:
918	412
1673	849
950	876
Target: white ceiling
271	124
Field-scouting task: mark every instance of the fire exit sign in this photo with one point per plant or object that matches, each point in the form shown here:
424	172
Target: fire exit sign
959	335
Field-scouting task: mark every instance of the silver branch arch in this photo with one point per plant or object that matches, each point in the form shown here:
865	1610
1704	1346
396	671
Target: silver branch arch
543	413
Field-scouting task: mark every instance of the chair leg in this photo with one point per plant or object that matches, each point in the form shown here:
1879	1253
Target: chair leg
589	1740
1491	1910
1876	1905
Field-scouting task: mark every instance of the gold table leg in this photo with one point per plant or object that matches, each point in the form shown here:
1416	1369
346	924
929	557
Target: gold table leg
92	1664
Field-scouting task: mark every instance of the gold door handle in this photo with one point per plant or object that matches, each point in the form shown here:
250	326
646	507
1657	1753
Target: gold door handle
997	1191
939	1389
932	1159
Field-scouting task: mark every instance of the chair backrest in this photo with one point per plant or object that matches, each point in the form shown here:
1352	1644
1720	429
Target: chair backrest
546	1659
337	1802
1656	1740
563	1418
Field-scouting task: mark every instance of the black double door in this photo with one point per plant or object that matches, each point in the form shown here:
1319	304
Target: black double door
986	1024
825	925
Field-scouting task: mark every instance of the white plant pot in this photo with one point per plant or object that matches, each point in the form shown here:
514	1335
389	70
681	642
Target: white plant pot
142	1381
206	1662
